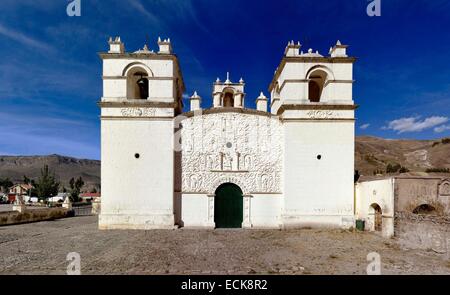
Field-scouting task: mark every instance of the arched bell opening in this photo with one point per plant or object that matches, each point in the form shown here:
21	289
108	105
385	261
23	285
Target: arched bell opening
137	84
228	99
316	85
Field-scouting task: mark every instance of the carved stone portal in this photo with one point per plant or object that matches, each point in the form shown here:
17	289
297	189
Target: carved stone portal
244	149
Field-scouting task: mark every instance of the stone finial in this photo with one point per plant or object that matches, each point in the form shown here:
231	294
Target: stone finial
217	80
292	49
241	81
116	45
261	102
310	50
228	81
338	50
165	47
195	95
195	101
144	50
262	96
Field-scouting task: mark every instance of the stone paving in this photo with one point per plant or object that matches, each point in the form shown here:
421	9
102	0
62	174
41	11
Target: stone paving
42	248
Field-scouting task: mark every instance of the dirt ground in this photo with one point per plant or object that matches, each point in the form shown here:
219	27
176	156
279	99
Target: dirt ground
42	248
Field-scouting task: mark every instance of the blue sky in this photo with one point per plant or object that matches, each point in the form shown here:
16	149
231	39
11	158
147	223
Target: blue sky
50	74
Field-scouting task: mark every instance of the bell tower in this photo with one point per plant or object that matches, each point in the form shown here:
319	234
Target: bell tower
312	95
142	93
228	94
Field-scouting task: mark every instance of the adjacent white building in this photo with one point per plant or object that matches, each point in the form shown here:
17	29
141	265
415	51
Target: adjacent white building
287	163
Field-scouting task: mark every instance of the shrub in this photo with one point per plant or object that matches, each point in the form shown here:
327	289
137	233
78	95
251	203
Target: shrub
445	140
393	168
403	170
438	170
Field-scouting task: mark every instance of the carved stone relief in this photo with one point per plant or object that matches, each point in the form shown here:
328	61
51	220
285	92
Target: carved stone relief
232	147
319	114
138	112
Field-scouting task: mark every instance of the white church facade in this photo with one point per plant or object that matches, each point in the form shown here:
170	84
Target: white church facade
287	163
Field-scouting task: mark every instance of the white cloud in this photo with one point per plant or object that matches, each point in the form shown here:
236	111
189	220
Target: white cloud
442	128
141	8
22	38
364	126
413	124
180	10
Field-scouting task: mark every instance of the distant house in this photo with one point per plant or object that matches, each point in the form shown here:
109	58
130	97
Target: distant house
90	196
60	197
16	190
20	189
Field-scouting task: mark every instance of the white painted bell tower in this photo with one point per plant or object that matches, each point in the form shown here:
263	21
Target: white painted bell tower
312	95
142	93
228	93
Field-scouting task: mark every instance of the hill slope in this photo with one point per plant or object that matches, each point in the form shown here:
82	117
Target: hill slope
15	167
374	153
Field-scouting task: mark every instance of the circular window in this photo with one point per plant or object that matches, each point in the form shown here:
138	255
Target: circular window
229	145
137	156
319	157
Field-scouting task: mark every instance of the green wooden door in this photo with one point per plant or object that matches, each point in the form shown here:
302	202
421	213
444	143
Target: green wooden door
228	206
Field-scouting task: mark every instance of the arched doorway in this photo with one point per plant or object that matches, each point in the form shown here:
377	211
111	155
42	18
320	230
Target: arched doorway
228	206
377	217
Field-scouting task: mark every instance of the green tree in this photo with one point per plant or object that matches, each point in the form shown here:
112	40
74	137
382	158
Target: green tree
46	185
26	180
5	184
75	189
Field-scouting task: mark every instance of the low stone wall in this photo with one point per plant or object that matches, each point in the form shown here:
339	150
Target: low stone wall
14	217
423	232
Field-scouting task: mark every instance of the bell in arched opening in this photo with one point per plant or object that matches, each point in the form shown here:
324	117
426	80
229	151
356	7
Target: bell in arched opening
228	100
143	88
